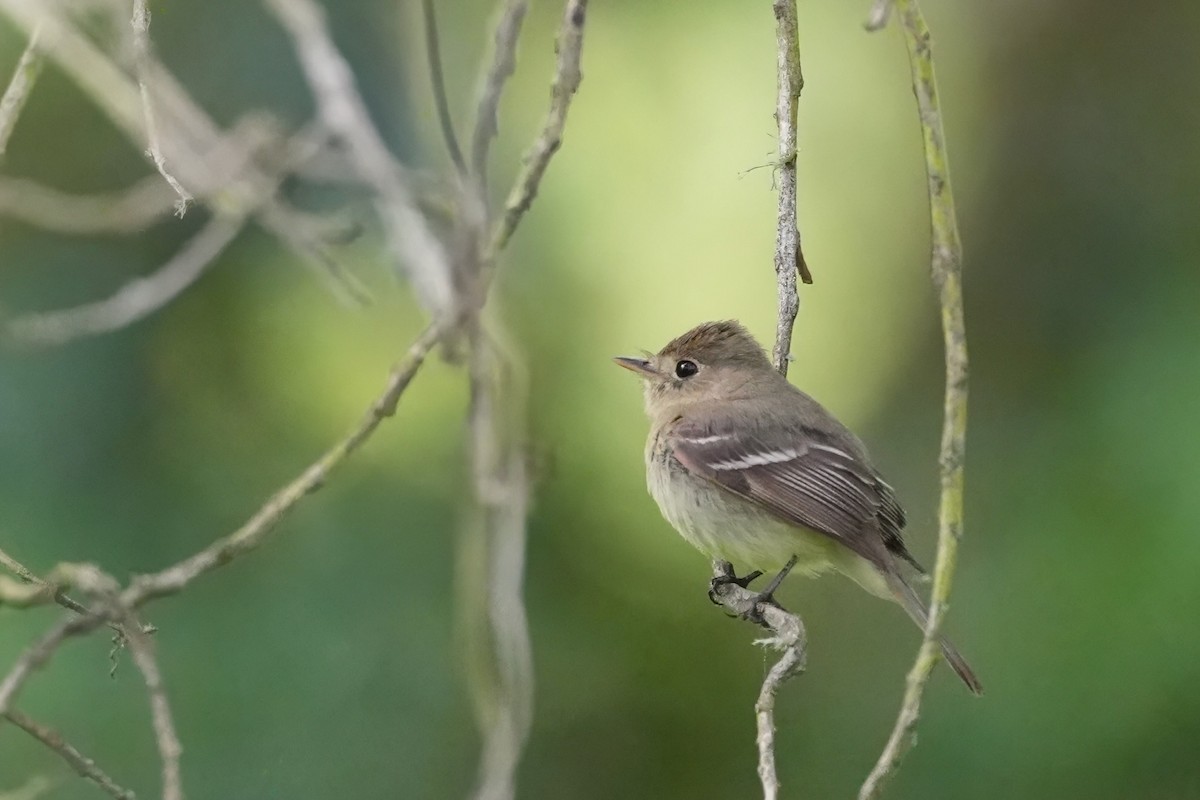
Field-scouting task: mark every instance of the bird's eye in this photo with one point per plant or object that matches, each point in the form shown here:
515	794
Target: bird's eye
686	369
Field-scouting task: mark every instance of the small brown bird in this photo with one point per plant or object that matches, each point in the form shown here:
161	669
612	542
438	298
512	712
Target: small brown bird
751	470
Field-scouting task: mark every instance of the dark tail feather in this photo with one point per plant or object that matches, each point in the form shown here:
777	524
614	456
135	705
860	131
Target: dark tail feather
908	599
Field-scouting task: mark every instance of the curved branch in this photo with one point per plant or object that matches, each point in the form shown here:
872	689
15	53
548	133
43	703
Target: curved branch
946	268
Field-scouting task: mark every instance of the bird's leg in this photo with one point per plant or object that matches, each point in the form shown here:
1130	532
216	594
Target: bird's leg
767	595
726	576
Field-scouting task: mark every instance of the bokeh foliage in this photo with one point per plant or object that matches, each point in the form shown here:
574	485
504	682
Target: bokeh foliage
329	663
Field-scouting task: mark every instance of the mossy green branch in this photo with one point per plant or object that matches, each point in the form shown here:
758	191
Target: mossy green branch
946	267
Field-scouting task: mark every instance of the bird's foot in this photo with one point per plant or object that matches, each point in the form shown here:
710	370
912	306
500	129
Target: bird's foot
726	577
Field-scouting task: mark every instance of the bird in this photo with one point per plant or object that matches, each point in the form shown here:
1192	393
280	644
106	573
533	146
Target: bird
751	470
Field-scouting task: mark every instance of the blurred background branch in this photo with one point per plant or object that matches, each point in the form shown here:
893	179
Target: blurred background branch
499	446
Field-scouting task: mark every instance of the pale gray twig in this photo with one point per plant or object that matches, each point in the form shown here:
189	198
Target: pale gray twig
503	64
24	76
789	639
141	60
83	766
946	271
789	257
136	299
567	77
417	250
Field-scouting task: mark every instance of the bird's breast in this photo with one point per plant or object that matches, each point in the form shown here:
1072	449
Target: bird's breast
724	525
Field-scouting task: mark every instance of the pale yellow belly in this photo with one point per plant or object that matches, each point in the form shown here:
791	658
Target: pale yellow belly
725	526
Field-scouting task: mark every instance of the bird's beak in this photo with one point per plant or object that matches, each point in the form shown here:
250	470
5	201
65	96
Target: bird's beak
639	365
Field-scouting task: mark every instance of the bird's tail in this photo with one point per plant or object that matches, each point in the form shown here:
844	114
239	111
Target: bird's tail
907	597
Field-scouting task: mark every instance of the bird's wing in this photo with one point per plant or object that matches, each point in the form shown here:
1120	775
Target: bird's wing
802	477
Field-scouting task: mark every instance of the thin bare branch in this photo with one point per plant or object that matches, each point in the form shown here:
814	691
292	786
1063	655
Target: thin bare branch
789	639
41	651
946	270
141	60
256	530
141	647
413	244
136	300
503	64
433	52
83	766
789	257
567	77
23	79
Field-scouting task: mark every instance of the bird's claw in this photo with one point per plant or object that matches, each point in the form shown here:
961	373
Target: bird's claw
729	578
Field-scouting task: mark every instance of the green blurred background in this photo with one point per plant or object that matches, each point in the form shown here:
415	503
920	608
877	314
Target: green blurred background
328	664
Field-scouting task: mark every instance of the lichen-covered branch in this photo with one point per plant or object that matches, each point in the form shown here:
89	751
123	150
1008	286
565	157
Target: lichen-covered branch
946	268
788	638
787	628
789	258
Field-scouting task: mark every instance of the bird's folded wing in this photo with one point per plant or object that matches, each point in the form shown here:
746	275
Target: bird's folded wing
799	475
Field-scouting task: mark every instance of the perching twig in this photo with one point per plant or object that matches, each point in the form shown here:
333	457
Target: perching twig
788	629
83	766
567	77
946	268
789	639
789	258
504	63
24	76
141	61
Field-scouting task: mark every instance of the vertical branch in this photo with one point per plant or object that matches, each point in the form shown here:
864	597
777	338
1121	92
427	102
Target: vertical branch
141	54
504	693
25	75
946	268
789	259
142	648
